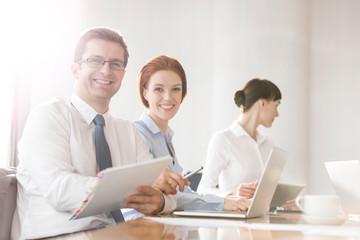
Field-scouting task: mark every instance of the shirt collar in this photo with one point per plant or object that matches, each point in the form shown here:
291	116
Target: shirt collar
149	122
260	137
238	131
85	110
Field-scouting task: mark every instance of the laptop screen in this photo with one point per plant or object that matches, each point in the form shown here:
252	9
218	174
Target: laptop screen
345	178
268	182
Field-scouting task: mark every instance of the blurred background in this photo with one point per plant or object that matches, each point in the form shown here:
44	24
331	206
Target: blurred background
309	48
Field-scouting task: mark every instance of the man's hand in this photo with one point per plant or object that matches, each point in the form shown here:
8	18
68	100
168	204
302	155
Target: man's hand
169	180
151	201
236	204
247	190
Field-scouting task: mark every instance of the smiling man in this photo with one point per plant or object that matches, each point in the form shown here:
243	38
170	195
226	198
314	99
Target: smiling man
57	155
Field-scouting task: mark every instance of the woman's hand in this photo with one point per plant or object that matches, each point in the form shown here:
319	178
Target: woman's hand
169	180
247	190
236	204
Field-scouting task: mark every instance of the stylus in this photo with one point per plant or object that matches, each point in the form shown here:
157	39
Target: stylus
192	173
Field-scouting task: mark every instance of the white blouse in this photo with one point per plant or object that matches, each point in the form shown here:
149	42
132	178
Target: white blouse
233	158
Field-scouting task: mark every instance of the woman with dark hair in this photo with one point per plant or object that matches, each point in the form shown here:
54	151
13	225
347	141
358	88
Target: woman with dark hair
236	156
162	87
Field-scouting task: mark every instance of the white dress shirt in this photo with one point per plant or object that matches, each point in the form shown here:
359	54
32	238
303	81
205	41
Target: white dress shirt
189	199
57	165
233	158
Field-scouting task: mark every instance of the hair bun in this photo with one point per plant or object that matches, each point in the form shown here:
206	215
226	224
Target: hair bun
239	98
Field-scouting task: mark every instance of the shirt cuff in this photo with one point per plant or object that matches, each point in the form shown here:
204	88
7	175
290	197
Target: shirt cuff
170	203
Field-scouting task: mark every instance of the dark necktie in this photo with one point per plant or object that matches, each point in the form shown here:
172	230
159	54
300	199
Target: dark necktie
103	156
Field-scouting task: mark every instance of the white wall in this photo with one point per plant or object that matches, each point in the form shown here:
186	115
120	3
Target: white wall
310	49
334	112
266	39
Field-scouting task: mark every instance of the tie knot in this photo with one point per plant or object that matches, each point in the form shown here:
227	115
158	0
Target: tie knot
99	120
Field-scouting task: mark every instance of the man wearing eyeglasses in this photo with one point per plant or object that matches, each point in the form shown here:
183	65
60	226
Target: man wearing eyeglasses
57	157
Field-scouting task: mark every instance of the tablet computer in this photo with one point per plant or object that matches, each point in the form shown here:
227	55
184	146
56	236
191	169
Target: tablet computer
114	184
285	192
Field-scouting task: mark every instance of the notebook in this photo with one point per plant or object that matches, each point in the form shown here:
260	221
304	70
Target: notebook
113	185
262	196
345	177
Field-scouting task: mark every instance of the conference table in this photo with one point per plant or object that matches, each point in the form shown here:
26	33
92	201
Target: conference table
271	226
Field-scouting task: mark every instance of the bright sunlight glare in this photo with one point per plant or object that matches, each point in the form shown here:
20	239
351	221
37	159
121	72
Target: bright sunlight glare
34	30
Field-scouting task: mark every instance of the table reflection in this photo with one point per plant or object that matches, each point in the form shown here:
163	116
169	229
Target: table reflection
136	229
194	228
147	229
223	233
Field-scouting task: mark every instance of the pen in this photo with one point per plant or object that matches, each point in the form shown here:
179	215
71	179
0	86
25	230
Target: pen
192	173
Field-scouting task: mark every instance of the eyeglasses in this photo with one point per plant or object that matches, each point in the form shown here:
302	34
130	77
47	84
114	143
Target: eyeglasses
99	63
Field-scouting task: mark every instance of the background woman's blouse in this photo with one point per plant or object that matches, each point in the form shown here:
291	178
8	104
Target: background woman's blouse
233	158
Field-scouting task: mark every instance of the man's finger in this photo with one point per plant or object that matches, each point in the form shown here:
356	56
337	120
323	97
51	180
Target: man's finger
148	190
138	198
150	201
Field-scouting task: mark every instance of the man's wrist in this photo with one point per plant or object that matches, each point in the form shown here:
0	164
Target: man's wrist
170	203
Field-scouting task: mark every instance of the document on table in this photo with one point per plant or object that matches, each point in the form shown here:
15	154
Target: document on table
113	185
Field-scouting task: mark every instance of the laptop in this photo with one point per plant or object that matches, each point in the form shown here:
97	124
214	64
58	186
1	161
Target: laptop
262	196
345	177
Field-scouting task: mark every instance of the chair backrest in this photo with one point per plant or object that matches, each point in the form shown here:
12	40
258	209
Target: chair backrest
195	180
8	192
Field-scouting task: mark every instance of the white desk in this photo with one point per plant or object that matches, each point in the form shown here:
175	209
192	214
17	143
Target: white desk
283	226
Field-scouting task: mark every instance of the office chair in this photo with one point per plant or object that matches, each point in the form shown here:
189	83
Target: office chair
8	192
195	180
